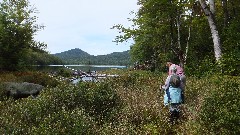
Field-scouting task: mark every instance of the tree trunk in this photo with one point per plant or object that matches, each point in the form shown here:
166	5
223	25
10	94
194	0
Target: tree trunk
225	11
186	51
214	31
180	52
178	30
212	6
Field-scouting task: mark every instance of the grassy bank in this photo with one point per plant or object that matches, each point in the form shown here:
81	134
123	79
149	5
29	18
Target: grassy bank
129	104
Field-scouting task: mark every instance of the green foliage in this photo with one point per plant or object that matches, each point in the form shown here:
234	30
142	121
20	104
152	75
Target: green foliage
64	72
42	117
74	56
66	122
220	110
211	105
205	67
131	103
37	78
66	109
155	31
100	100
41	58
7	77
230	64
3	96
142	111
17	28
162	30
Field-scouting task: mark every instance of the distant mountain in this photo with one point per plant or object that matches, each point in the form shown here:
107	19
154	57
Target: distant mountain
74	56
73	53
78	56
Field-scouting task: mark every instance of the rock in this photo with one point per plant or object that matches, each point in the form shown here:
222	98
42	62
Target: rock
22	90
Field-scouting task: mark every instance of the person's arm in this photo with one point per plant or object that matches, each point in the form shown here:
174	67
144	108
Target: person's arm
166	85
181	86
169	69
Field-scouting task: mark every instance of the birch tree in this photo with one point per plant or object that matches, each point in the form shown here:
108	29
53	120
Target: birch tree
211	20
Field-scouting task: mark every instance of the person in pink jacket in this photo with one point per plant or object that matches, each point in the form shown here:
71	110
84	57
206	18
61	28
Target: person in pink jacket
179	69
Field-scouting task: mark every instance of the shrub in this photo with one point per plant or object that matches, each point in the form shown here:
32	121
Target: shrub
230	64
99	99
142	107
64	72
37	78
74	122
42	117
7	77
203	68
128	104
220	111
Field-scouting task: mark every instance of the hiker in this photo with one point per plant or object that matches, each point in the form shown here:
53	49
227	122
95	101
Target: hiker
179	72
173	91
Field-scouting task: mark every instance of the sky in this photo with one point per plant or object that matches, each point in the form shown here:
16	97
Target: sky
83	24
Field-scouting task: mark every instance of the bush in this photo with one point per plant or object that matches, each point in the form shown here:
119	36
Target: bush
37	78
41	116
142	107
74	122
99	99
203	68
64	72
230	64
220	111
128	104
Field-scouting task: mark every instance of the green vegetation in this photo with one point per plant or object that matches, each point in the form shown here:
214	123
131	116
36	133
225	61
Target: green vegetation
129	104
17	30
77	56
133	102
42	58
179	31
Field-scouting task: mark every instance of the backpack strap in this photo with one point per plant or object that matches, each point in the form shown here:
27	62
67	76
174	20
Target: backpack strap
168	95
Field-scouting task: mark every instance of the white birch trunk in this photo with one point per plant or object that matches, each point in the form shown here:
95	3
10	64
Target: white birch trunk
186	51
179	34
213	27
212	6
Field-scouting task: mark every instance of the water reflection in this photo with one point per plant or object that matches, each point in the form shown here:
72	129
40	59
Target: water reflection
85	68
86	73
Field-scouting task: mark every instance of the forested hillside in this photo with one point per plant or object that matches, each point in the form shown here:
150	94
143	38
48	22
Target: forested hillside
78	56
115	58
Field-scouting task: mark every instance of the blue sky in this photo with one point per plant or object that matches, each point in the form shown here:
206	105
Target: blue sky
83	24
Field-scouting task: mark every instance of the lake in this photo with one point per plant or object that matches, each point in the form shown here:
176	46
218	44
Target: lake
85	68
75	68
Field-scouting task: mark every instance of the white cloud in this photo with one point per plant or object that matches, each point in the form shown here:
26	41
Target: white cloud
83	24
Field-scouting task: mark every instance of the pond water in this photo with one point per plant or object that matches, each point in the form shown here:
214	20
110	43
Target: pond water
84	68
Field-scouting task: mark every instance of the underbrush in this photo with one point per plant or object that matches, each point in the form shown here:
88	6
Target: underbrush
213	105
31	77
129	104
